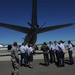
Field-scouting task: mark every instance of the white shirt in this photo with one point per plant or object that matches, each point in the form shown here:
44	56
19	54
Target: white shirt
51	47
22	49
30	49
26	46
56	46
70	47
62	46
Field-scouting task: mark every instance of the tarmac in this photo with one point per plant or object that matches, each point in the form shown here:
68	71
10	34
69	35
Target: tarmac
39	67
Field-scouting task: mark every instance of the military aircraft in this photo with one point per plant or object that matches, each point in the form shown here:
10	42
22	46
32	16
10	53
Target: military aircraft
35	29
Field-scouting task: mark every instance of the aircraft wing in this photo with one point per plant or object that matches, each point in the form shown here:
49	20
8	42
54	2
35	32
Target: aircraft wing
15	27
54	27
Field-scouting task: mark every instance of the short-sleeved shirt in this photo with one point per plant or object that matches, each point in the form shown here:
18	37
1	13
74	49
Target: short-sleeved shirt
70	47
30	49
22	49
62	46
51	47
56	46
26	46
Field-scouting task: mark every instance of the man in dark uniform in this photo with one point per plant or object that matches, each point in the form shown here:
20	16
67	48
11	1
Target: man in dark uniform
45	50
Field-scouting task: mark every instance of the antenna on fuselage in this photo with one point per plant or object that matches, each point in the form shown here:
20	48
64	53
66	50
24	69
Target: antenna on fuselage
33	26
43	25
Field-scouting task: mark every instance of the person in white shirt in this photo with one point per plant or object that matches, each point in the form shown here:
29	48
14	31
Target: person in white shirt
52	50
70	51
23	52
61	53
26	46
30	55
56	51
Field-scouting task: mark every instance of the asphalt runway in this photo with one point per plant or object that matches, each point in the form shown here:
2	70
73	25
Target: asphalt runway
39	69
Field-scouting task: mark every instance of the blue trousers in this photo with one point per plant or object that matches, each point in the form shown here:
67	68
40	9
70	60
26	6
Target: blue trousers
25	57
70	57
61	59
52	56
57	56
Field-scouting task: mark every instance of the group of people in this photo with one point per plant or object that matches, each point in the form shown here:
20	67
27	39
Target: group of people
26	51
26	57
57	51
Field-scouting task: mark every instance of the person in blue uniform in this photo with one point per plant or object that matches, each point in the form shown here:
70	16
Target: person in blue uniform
70	52
23	52
56	51
52	52
30	55
61	53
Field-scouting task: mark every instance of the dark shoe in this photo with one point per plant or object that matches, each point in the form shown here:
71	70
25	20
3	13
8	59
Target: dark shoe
12	74
72	64
63	66
20	65
25	65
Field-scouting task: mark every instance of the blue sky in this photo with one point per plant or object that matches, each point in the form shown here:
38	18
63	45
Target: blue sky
53	12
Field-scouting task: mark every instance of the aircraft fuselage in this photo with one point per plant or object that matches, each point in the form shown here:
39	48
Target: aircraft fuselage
31	37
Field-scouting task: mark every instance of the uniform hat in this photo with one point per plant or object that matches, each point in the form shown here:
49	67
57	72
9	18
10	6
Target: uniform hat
69	41
55	41
62	41
45	43
50	42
